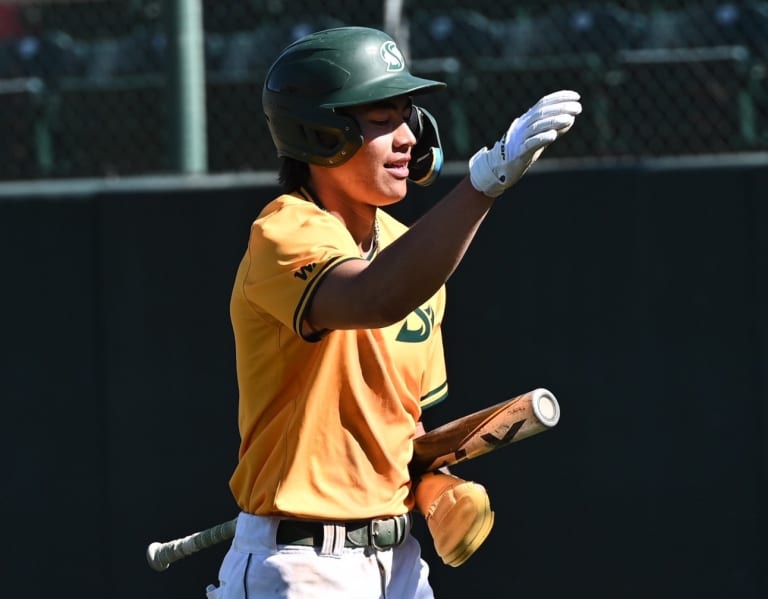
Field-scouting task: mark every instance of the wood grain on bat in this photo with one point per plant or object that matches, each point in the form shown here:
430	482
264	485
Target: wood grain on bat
484	431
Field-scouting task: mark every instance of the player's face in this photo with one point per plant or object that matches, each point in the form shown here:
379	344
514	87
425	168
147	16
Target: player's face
377	174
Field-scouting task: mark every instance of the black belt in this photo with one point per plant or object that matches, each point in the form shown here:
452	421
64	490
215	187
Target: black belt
379	533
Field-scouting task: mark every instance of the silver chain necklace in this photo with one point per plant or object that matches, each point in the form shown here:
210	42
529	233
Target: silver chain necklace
375	242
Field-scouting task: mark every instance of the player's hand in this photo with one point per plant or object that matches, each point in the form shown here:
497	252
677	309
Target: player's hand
458	515
496	170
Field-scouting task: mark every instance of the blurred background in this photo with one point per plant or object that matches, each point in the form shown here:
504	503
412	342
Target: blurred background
627	273
91	88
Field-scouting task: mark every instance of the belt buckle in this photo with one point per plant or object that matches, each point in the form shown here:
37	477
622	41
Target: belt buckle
377	528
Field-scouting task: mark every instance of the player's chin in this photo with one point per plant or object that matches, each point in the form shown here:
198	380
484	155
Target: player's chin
392	190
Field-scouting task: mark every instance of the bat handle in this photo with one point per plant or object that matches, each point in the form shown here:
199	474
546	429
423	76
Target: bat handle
161	555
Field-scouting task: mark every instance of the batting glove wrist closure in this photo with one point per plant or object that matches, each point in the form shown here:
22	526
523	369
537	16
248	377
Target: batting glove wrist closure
494	171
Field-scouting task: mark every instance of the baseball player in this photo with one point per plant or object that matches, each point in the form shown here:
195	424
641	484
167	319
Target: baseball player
337	311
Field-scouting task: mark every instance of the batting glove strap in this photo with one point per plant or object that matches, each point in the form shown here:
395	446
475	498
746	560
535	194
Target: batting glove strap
496	170
486	170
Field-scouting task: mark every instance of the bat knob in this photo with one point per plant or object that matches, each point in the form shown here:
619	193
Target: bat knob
152	558
545	407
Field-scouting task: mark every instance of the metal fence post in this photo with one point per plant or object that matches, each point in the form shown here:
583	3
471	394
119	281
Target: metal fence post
187	76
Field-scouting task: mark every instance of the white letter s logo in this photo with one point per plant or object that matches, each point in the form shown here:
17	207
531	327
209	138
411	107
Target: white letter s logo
391	55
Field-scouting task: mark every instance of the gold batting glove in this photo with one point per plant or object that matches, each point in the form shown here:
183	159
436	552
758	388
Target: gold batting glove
458	515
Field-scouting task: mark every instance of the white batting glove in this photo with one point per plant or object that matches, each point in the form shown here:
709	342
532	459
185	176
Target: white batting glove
496	170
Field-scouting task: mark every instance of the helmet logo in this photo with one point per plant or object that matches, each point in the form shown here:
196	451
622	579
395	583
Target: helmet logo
391	55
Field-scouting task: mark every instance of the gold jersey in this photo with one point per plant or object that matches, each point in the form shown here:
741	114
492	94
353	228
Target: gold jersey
326	422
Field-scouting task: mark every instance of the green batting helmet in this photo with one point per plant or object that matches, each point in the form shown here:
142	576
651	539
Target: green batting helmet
326	70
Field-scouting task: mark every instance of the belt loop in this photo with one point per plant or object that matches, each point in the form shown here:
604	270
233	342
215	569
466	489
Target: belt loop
339	539
334	536
373	532
399	536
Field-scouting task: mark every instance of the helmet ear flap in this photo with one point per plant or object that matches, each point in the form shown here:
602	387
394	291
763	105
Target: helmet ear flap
332	146
314	135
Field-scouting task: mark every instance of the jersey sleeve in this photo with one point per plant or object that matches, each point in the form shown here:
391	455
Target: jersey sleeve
293	245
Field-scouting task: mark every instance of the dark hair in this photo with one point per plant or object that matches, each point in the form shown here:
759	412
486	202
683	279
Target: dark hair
293	174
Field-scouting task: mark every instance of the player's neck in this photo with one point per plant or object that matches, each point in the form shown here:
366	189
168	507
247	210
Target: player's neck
360	219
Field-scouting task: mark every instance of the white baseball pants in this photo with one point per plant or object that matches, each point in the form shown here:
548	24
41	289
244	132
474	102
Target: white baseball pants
255	567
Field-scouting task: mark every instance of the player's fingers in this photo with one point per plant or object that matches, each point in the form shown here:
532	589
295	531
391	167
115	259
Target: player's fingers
563	95
564	123
538	141
555	116
573	108
555	123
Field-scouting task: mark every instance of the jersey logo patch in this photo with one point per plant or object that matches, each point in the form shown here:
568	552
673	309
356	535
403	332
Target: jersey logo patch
391	55
304	271
417	326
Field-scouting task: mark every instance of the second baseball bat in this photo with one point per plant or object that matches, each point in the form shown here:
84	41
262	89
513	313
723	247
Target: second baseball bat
457	441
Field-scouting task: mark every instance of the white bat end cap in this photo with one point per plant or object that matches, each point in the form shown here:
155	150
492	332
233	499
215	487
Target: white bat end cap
545	407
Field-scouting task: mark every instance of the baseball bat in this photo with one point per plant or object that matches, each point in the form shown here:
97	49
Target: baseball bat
484	431
457	441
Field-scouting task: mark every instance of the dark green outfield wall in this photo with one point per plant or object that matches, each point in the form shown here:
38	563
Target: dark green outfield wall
638	296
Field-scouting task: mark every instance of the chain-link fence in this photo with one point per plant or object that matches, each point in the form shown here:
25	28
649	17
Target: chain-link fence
85	88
